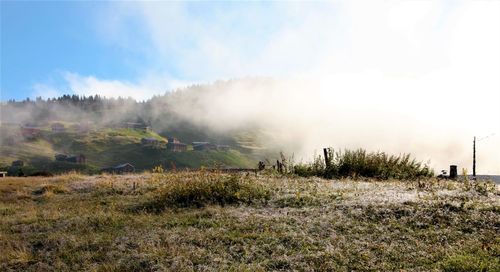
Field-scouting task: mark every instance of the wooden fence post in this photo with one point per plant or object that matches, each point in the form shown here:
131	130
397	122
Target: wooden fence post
327	160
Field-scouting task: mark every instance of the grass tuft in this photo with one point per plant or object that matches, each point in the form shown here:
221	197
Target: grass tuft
49	189
206	189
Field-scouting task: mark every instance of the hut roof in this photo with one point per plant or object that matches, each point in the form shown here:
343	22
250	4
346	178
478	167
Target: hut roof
123	165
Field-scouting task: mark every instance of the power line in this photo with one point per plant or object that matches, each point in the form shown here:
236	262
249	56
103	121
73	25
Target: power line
486	137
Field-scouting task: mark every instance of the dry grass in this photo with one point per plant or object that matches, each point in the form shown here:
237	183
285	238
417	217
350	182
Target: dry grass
92	223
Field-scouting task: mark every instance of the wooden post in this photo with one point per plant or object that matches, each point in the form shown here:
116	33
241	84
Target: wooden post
327	160
474	158
453	172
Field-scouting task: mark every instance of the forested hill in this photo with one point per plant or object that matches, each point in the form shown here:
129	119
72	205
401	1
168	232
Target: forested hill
190	113
111	136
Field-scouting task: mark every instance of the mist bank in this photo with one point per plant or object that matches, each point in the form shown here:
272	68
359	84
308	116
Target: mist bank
299	117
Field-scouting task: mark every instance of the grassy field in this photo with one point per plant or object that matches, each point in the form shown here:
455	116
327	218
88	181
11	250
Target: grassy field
202	221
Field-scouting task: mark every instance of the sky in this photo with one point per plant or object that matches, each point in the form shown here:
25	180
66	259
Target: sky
146	48
435	63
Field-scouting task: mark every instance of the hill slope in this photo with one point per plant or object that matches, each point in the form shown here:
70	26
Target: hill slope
105	148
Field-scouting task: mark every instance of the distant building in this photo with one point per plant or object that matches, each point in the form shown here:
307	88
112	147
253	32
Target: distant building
176	147
18	163
120	169
80	159
29	132
58	127
200	143
223	147
61	157
203	146
152	142
149	141
81	128
173	140
140	126
3	174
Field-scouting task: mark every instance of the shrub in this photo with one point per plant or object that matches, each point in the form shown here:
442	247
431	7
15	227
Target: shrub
207	189
49	189
359	163
316	168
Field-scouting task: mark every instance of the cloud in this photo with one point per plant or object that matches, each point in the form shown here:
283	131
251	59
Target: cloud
89	85
45	91
221	41
148	86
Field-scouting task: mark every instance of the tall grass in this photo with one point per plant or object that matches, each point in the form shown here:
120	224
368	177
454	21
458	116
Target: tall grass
360	163
205	189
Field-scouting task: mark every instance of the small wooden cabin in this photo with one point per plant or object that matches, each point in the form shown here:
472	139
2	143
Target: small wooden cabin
17	163
140	126
202	146
30	132
176	147
223	147
120	169
58	127
80	159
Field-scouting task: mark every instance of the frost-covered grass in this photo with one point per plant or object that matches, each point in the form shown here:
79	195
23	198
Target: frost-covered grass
244	222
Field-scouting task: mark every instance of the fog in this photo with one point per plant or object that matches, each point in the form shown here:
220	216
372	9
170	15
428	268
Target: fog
303	116
401	77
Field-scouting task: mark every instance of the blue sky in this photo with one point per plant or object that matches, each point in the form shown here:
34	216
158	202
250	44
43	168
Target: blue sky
140	49
45	43
39	40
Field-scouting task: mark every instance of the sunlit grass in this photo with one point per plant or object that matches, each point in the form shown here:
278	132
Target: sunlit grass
192	221
204	189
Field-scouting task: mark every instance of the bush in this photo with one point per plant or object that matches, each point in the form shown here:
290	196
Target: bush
359	163
207	189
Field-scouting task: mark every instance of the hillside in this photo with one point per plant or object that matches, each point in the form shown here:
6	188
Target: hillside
106	147
201	221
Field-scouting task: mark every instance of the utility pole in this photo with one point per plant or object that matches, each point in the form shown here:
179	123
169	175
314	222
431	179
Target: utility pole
474	158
